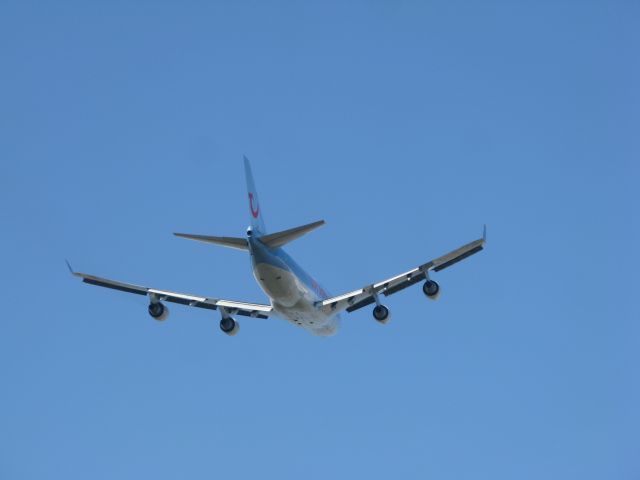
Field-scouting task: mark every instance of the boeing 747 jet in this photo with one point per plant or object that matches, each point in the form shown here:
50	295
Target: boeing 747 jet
293	294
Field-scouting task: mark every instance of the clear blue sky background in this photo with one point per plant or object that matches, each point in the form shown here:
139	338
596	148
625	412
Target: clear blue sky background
406	125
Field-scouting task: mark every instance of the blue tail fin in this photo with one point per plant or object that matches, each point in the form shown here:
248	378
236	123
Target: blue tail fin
255	211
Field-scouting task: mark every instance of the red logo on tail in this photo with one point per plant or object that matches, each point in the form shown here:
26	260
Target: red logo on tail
255	212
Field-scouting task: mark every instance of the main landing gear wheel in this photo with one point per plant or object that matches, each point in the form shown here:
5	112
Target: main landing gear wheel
381	314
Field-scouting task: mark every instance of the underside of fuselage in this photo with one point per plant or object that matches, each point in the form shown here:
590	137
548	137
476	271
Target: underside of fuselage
291	296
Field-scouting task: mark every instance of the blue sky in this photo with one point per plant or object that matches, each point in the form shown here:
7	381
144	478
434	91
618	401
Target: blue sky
406	126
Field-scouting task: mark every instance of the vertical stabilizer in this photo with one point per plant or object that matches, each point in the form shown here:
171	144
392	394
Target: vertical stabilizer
255	210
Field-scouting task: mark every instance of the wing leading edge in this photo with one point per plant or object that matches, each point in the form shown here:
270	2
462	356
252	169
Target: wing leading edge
366	295
231	307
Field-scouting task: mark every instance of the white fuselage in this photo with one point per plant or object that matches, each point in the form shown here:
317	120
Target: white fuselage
293	294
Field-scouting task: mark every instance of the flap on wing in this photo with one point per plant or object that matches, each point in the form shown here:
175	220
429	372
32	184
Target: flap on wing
365	296
232	307
455	256
103	282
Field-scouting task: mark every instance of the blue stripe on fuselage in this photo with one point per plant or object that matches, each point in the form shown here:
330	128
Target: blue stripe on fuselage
277	257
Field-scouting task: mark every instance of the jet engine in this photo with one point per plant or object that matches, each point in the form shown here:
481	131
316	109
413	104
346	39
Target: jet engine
431	289
229	326
381	314
158	311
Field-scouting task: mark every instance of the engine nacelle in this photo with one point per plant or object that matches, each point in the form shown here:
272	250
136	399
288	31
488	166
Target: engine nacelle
431	289
381	314
158	311
229	326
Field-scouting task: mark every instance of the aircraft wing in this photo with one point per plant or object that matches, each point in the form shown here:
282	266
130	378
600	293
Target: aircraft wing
232	307
365	296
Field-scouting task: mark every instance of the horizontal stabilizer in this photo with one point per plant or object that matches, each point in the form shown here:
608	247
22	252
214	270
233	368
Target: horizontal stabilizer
231	242
278	239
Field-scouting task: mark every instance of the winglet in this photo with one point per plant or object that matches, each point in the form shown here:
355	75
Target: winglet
69	267
484	233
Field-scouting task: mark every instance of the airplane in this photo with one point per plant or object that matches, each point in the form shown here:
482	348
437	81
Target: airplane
293	294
